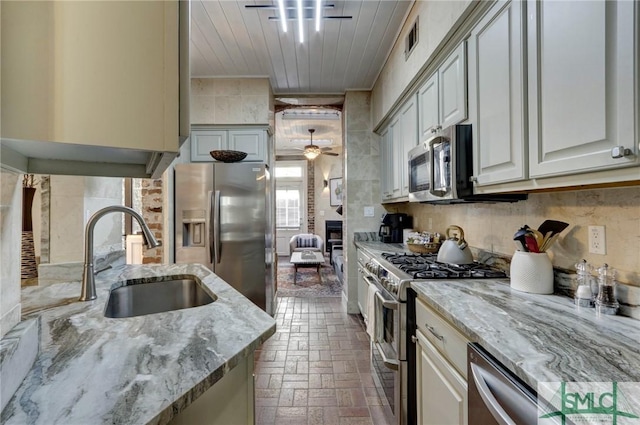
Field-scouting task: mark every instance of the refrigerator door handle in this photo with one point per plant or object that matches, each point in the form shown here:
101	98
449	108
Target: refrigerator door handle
216	226
207	229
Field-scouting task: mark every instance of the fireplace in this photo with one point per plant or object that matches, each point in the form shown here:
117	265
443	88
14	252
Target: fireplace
332	233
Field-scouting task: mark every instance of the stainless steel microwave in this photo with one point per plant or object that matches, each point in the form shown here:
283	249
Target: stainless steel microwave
440	170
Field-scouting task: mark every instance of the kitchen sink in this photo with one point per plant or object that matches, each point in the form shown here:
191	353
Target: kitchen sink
156	297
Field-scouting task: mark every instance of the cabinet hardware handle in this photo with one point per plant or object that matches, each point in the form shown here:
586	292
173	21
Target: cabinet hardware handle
414	339
473	179
433	332
620	152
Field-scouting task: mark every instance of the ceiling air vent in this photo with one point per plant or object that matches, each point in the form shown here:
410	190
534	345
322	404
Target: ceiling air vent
411	40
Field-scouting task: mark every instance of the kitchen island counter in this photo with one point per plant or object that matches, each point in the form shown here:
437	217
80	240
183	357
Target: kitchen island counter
138	370
541	338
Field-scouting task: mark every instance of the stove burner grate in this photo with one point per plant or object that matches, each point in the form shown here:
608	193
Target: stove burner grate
425	266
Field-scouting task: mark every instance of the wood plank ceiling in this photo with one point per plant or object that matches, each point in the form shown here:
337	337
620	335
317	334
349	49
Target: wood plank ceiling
230	40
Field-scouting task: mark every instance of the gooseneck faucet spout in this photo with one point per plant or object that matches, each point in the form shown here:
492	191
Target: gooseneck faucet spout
88	292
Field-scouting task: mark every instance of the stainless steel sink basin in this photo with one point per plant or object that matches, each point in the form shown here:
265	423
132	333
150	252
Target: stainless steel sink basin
156	297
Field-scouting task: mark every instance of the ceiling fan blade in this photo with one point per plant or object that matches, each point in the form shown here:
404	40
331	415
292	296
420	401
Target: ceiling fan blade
330	153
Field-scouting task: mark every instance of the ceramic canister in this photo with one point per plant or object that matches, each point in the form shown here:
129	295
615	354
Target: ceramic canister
532	272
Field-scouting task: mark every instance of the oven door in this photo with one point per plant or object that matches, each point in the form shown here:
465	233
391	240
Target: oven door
386	366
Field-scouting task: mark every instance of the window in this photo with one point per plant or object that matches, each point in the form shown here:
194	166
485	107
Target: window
288	172
290	194
288	208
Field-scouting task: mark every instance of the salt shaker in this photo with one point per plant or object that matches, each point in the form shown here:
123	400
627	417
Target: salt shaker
607	301
584	296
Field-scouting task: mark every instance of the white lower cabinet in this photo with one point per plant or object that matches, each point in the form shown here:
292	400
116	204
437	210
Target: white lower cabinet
251	141
441	390
441	361
231	400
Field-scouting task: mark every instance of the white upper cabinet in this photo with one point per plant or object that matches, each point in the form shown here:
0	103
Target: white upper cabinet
409	119
397	140
452	82
428	102
442	99
497	95
205	141
582	58
252	141
94	87
395	129
386	159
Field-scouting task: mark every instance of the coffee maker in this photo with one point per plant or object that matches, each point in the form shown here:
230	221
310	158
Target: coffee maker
392	225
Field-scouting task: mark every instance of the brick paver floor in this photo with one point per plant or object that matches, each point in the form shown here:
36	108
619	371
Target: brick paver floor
315	369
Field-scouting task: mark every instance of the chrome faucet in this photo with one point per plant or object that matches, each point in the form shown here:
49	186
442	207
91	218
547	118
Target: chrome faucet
88	292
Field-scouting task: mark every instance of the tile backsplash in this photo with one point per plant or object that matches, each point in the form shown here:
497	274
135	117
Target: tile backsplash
490	227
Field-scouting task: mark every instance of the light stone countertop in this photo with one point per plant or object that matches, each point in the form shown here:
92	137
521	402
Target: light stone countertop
138	370
541	338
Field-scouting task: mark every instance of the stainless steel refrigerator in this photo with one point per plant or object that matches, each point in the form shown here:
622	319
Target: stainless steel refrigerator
224	220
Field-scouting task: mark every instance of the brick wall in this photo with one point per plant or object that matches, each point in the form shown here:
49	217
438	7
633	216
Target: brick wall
152	213
311	198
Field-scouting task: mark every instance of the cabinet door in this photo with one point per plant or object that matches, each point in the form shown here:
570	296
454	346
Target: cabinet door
253	142
428	107
395	128
386	157
205	141
581	79
363	294
409	120
496	95
452	88
440	390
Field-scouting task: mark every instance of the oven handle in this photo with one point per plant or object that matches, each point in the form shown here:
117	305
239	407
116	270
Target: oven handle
391	305
499	414
392	364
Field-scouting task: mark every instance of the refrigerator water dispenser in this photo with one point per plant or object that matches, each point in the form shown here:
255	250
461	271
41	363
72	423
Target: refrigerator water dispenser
193	228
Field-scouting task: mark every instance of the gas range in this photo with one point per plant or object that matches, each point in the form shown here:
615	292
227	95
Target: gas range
399	269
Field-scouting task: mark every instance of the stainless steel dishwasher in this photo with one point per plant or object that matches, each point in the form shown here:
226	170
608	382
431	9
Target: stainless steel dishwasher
497	396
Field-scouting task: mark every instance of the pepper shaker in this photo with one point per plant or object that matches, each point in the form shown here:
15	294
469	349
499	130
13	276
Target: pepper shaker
607	300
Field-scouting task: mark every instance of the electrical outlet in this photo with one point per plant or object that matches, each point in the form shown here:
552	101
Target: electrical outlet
597	240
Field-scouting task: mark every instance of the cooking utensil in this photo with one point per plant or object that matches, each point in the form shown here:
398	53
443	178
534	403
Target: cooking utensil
553	226
519	237
549	241
531	244
539	237
454	250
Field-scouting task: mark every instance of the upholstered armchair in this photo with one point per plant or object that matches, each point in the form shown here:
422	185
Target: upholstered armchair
305	242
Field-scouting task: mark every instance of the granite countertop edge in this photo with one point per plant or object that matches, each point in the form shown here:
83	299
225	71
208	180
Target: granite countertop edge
540	338
143	369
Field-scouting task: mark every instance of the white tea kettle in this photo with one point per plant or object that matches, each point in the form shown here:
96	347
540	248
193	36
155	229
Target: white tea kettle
454	250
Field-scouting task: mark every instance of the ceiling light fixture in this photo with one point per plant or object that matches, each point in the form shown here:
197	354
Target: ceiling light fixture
318	14
311	151
300	10
300	21
283	19
315	115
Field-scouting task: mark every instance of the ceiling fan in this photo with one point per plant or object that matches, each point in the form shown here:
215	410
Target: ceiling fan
312	151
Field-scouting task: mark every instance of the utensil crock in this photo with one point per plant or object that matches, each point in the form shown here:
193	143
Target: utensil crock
532	272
